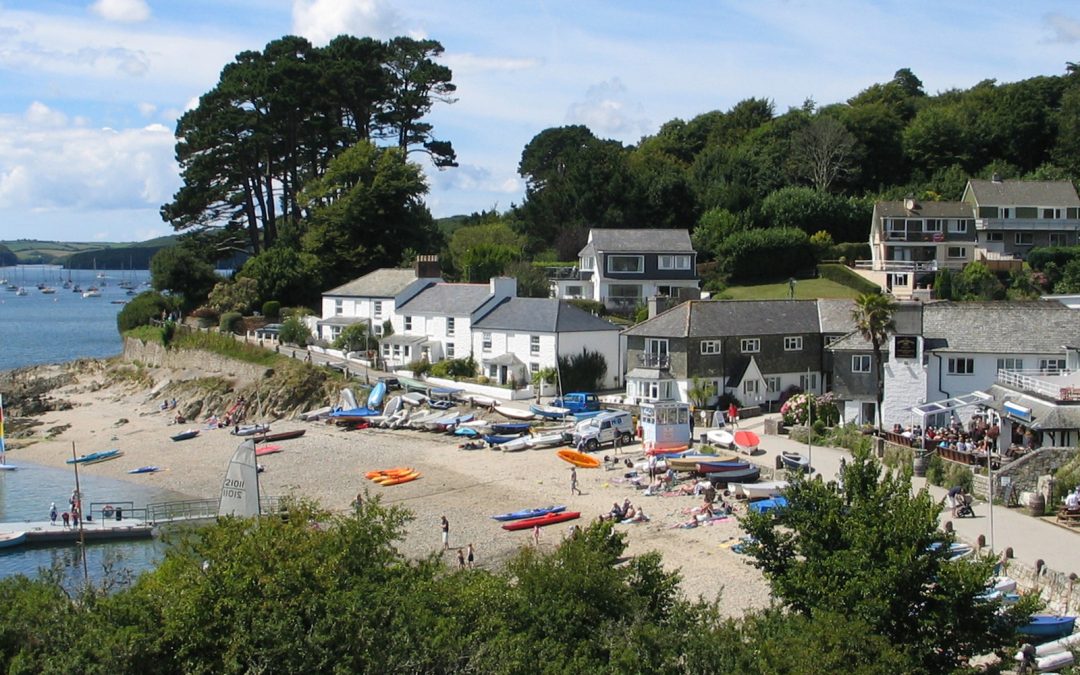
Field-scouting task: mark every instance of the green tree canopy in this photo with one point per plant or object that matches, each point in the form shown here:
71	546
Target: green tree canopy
183	274
284	274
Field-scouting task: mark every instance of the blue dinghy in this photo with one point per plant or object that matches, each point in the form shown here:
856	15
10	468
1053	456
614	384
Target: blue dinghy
529	513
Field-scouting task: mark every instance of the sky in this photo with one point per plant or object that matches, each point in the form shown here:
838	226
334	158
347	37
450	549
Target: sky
90	90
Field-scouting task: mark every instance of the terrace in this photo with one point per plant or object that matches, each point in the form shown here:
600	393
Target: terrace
1054	384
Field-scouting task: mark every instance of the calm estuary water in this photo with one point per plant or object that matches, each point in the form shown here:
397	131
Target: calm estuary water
50	328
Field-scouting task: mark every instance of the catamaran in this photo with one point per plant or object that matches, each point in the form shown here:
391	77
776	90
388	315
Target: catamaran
4	466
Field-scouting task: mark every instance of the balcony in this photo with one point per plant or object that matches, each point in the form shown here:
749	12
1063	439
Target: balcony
1056	385
920	236
654	360
1047	224
902	266
566	273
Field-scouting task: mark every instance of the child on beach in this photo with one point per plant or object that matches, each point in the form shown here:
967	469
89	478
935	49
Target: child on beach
445	533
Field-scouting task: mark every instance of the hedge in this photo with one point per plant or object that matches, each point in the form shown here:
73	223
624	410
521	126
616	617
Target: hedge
1039	257
843	275
766	254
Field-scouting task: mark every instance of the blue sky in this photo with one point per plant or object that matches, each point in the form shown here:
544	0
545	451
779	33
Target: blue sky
91	89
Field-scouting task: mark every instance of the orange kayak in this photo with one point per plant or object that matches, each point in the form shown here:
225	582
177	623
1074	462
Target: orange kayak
578	458
387	473
404	478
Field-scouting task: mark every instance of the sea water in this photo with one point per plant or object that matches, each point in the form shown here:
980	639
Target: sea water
51	328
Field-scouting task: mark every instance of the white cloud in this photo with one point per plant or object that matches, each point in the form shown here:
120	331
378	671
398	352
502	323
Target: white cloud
322	20
608	113
1064	29
471	63
147	109
123	11
41	115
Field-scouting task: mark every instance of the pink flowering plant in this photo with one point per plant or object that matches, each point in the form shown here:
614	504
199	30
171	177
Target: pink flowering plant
798	408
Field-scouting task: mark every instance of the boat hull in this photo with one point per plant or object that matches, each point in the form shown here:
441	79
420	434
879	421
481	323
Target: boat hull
579	459
529	513
541	521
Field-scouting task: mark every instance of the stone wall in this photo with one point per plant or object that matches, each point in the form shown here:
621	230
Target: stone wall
1023	473
154	354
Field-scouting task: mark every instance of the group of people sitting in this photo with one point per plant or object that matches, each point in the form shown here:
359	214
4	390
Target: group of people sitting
625	513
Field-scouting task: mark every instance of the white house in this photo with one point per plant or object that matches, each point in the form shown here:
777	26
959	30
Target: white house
520	336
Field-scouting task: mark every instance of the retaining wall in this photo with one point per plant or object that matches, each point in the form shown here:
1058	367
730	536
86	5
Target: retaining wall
154	354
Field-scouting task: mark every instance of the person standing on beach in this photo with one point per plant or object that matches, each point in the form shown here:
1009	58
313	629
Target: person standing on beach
52	513
536	536
574	489
618	442
445	534
471	557
733	414
461	559
65	518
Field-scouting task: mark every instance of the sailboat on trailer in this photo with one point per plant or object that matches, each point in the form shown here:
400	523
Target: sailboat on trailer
4	466
240	488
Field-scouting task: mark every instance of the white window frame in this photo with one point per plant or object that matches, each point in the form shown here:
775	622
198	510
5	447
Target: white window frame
958	225
772	384
1051	365
534	367
450	325
673	262
861	363
588	262
575	291
896	229
449	350
811	386
960	365
710	346
339	307
376	309
636	296
1009	363
950	249
1055	214
485	341
1058	238
932	225
793	343
534	344
407	322
621	256
1024	238
750	345
750	387
657	346
995	237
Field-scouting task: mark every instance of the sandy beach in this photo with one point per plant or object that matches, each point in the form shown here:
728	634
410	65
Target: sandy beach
328	464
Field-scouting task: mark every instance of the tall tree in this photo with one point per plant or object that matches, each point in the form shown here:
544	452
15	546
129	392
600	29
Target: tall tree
417	83
824	152
873	318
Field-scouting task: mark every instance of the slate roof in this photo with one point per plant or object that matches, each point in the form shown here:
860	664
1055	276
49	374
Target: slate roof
382	283
852	342
723	318
1023	193
541	315
447	299
1000	327
898	209
618	240
1047	416
834	315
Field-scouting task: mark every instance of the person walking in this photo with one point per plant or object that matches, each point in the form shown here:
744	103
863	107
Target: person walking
461	559
536	536
733	414
574	489
445	534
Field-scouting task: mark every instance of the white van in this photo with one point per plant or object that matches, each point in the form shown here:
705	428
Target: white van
603	429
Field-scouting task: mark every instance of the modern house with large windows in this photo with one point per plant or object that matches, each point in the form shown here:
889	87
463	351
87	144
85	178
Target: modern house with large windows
996	222
622	268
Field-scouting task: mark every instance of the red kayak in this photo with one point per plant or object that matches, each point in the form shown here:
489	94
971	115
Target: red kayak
549	519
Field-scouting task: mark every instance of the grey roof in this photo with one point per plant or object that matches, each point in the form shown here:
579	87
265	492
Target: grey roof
852	342
898	209
403	339
1046	416
649	374
342	321
541	315
1000	327
505	359
1023	192
722	318
449	299
834	315
637	240
382	283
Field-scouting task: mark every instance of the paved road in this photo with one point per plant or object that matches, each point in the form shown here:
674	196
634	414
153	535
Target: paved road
1031	539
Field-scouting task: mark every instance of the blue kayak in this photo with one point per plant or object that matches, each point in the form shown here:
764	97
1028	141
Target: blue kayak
529	513
94	457
144	469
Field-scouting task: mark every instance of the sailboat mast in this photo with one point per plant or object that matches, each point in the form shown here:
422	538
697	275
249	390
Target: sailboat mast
77	505
3	448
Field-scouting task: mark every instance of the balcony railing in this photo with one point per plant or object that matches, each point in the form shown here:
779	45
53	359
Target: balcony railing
1058	385
908	265
654	360
1066	224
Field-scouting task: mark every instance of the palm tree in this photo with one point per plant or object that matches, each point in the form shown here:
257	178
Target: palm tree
873	317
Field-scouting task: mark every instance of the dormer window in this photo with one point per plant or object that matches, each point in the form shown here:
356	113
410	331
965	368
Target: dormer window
673	262
634	264
588	262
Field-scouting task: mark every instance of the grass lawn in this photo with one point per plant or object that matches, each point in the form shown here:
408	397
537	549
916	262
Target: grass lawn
805	289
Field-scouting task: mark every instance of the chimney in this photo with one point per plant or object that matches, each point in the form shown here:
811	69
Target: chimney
503	287
427	267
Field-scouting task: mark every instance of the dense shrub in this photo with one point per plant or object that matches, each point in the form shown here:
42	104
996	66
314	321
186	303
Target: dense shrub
454	368
230	322
766	254
294	332
590	306
419	367
271	309
143	308
843	275
1039	257
582	372
850	251
233	295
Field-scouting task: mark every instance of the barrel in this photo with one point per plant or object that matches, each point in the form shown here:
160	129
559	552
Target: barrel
1037	504
920	463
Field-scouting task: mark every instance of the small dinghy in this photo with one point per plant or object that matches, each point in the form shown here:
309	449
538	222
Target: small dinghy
185	435
250	429
145	469
794	461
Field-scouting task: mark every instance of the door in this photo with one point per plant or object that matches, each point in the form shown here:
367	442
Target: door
869	413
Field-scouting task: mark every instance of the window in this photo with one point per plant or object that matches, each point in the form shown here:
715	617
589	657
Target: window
932	225
772	384
449	350
673	262
534	344
534	367
386	350
710	346
573	291
486	340
829	339
956	252
1010	364
750	345
378	329
377	309
450	325
339	307
961	366
406	351
397	351
1024	238
793	343
624	291
959	226
1051	214
1059	239
493	371
860	363
588	262
1006	212
995	236
1051	366
808	385
750	387
335	332
896	228
626	263
408	323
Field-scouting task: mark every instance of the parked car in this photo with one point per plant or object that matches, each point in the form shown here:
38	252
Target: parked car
577	402
604	429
